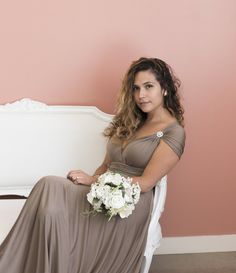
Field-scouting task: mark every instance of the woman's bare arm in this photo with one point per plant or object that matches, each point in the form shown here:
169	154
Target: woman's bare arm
161	162
102	168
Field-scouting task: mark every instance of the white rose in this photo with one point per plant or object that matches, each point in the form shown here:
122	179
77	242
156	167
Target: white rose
93	191
107	202
117	201
101	180
117	179
108	177
100	192
126	184
107	189
128	195
90	198
126	211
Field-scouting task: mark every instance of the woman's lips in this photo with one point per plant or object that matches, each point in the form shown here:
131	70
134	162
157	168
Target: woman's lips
144	103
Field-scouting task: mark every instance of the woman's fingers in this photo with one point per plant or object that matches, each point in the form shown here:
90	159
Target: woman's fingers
79	177
75	177
73	173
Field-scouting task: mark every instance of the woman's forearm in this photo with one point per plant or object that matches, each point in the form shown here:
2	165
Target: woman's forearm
143	183
100	170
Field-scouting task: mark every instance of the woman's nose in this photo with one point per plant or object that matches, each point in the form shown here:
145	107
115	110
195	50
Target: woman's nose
141	93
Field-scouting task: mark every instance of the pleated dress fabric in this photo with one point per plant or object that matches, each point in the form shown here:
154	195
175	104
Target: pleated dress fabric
53	235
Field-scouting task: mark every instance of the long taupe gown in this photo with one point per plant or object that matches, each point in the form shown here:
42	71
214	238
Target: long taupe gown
52	235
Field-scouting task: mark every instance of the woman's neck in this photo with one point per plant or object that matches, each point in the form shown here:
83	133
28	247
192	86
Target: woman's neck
160	116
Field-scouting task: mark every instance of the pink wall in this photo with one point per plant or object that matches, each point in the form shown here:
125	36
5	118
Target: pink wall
76	52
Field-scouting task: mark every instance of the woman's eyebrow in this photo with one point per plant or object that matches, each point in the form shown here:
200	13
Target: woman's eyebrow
148	82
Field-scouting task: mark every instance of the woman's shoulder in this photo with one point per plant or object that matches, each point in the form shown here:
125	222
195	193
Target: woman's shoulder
174	135
175	129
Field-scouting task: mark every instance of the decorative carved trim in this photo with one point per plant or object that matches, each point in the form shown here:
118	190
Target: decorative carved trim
27	104
24	104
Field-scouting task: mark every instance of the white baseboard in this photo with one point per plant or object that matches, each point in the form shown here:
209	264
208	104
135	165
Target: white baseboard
197	244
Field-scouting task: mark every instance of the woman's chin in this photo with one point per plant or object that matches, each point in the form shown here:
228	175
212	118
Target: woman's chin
145	108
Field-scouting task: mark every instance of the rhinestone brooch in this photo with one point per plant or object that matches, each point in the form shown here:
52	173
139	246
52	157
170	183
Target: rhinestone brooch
159	133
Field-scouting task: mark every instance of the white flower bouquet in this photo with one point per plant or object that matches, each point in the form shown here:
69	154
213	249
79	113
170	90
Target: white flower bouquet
114	194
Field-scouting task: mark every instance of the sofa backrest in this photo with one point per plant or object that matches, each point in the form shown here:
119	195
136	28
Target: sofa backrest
38	140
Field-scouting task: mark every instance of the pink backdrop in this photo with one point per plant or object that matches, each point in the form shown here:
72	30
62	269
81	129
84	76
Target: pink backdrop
75	52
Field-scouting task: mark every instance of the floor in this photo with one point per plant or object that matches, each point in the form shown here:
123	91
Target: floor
220	262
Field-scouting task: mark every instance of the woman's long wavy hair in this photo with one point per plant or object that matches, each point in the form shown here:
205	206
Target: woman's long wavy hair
128	116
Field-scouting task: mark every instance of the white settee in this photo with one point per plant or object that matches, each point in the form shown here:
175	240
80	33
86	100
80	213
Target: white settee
38	140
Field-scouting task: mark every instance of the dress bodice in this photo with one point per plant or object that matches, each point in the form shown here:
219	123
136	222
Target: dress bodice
134	157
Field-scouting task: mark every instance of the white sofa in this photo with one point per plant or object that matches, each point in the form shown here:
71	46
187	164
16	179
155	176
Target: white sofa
38	140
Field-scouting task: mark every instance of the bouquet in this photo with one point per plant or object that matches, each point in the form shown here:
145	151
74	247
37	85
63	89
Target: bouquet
114	194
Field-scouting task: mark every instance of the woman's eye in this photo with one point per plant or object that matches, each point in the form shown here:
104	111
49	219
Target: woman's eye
148	86
135	88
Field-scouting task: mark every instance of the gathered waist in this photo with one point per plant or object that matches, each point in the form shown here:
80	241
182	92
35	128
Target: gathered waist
125	169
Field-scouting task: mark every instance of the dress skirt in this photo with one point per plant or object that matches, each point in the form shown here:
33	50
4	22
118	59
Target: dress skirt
53	234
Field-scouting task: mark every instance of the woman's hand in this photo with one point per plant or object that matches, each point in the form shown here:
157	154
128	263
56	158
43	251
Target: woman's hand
80	177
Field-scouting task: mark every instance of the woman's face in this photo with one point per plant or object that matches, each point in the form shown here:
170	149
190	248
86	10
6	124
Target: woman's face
148	93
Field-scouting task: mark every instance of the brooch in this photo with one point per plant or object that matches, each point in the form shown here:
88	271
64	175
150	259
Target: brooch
159	133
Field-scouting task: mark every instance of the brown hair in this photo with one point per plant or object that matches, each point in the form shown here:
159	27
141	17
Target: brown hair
128	116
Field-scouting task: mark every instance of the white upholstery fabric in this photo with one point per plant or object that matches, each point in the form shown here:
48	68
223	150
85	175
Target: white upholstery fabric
154	230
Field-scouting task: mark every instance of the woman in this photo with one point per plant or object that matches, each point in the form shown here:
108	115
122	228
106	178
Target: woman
145	141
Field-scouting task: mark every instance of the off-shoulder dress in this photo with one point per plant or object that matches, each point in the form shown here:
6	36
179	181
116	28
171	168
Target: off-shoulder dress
52	235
